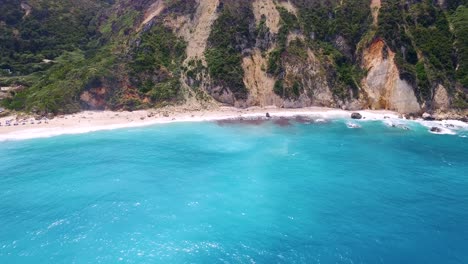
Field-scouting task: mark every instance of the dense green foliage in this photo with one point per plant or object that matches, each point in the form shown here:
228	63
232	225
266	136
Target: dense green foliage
288	23
423	28
229	36
157	62
323	23
58	50
460	25
58	90
46	31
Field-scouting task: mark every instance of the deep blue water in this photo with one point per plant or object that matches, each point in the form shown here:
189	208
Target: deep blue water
211	193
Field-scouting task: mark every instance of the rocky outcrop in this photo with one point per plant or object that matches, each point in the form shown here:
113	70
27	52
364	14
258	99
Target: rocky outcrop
308	73
197	30
375	7
288	6
267	9
258	82
383	87
26	8
254	53
441	98
356	116
427	117
154	10
94	98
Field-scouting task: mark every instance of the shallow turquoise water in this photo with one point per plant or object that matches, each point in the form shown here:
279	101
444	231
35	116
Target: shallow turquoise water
210	193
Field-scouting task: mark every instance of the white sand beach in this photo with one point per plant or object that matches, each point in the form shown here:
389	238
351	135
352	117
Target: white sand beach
26	127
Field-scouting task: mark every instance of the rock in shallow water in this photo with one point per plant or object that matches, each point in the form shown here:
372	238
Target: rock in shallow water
356	116
436	130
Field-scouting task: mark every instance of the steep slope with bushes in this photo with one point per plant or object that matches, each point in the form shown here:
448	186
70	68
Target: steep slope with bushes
60	57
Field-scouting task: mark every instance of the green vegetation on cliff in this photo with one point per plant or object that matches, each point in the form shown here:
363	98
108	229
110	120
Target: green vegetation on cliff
230	34
94	54
157	63
331	31
460	25
34	31
58	90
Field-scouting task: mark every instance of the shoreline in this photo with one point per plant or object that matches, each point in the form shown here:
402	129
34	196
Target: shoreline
91	121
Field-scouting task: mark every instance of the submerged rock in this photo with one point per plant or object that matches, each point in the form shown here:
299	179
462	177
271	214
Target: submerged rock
400	126
356	116
282	122
303	119
436	130
352	125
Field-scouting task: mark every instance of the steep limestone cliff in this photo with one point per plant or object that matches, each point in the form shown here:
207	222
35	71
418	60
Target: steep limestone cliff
286	53
441	98
382	85
258	83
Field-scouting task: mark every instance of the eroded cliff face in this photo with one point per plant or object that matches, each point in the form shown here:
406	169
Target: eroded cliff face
303	81
258	82
284	53
383	87
154	10
267	9
441	98
305	75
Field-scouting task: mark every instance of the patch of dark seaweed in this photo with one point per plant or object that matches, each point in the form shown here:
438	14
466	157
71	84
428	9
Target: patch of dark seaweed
254	121
303	119
282	122
279	121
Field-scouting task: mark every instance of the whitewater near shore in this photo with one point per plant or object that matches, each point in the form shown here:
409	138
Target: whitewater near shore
24	127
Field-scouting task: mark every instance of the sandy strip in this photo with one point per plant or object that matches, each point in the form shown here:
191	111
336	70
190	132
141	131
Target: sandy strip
89	121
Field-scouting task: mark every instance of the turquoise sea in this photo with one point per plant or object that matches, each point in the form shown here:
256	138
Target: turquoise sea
236	193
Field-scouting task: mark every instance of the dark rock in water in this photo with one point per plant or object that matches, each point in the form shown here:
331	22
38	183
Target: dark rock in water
356	116
268	115
436	130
